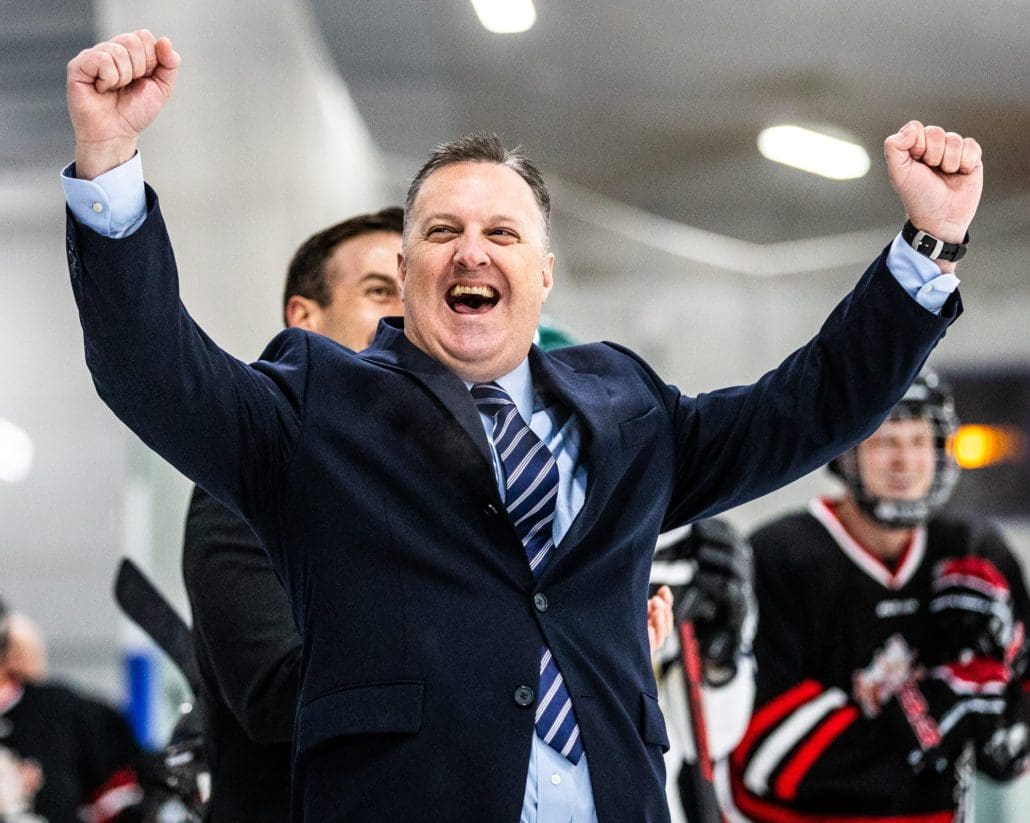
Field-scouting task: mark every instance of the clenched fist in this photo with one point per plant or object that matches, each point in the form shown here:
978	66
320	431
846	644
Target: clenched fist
115	89
939	176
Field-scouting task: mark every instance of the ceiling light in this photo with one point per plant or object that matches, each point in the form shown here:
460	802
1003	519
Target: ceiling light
16	451
505	16
814	152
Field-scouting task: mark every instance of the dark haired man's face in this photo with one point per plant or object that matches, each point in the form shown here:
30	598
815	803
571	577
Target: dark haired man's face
363	287
476	270
897	461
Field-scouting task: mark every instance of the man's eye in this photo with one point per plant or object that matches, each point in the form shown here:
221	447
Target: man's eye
502	232
440	230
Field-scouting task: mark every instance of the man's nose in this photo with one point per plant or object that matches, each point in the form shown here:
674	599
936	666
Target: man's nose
470	252
905	456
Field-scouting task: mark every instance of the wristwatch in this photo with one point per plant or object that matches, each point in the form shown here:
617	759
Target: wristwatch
930	246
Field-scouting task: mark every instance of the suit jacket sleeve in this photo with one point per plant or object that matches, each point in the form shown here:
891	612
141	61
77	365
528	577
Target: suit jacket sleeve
740	443
246	639
226	425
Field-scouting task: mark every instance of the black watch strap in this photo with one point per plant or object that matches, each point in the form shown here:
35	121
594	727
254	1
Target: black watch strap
930	246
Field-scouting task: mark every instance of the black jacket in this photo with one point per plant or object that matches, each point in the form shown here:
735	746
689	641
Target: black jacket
248	654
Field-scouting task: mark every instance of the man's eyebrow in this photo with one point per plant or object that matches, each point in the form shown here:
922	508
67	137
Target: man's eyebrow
389	279
452	218
440	215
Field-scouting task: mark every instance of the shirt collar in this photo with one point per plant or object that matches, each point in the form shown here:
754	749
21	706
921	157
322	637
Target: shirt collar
518	383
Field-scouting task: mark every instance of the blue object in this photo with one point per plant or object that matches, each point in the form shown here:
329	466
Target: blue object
139	708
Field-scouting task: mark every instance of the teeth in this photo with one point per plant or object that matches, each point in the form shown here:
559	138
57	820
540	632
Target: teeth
479	291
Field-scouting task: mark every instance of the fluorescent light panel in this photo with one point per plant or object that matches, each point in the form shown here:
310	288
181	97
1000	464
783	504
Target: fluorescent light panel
505	16
814	152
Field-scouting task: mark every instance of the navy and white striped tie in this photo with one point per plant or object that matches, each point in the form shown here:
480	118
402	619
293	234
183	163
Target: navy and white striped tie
531	489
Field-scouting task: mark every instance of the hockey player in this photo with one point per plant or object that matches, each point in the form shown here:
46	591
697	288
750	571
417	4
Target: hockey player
891	647
63	757
709	568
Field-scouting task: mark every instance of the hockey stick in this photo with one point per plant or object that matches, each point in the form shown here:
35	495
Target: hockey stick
704	807
148	609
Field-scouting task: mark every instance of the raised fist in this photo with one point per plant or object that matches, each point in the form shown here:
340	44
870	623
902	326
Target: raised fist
939	177
115	90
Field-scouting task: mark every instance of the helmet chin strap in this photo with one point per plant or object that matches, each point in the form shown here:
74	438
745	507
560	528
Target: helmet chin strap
898	514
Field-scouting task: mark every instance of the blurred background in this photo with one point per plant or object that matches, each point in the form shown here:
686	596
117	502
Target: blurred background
674	234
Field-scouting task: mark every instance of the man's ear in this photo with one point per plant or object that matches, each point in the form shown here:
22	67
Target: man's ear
402	271
547	273
303	313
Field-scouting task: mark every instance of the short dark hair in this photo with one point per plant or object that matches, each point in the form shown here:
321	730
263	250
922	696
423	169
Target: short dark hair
305	275
483	148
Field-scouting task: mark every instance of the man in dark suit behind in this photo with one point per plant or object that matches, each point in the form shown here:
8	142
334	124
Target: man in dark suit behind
340	282
433	651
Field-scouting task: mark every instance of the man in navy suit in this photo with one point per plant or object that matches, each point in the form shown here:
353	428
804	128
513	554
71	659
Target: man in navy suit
433	651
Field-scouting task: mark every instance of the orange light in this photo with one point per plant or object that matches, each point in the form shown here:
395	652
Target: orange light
977	446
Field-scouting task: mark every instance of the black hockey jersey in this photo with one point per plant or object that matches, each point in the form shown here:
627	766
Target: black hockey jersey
834	622
77	753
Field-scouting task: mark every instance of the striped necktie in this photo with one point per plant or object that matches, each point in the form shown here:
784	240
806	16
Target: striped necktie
531	489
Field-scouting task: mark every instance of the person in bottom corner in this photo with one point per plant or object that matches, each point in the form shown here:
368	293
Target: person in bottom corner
709	568
64	757
891	648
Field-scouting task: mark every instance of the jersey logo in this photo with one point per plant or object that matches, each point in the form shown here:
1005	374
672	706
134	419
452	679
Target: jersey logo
890	669
897	608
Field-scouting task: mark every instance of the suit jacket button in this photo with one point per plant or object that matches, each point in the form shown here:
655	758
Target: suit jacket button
524	696
490	510
540	601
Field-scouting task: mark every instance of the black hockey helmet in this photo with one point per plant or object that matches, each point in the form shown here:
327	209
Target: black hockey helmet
929	398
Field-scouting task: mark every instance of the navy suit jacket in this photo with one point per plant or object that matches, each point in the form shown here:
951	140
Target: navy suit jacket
368	478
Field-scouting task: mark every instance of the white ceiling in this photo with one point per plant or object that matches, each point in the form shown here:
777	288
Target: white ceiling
654	104
658	104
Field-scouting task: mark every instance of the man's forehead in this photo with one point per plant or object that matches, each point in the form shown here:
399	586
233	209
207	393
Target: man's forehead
367	243
455	187
908	426
354	257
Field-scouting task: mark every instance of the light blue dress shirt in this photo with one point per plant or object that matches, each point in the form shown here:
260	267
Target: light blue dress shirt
556	790
113	204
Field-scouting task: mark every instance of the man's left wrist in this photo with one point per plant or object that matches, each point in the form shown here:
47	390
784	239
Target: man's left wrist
934	246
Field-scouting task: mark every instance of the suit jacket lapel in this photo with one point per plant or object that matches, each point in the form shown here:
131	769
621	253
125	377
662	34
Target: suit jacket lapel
584	394
587	397
393	350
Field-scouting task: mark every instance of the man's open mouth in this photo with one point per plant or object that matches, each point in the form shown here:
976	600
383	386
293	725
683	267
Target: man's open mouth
471	299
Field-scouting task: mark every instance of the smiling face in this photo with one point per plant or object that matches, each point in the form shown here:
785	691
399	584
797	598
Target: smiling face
475	270
361	276
362	273
897	462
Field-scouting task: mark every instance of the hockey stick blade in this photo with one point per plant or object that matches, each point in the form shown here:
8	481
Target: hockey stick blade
142	603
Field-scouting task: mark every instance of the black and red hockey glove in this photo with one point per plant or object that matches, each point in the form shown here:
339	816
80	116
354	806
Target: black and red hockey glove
951	704
970	611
